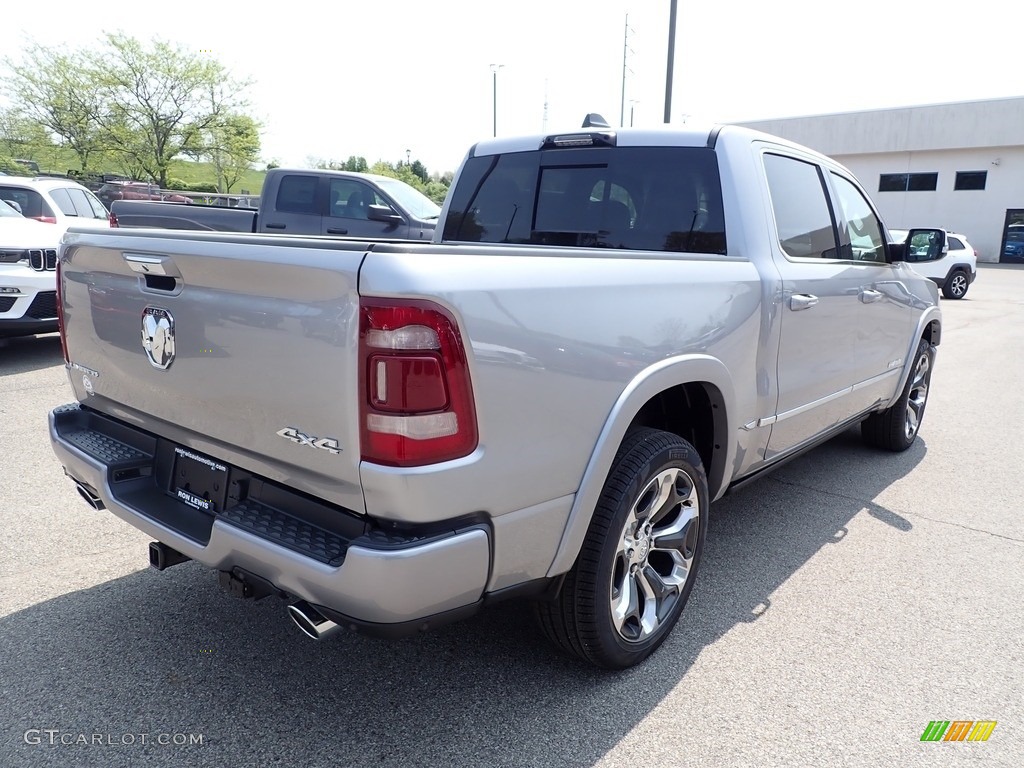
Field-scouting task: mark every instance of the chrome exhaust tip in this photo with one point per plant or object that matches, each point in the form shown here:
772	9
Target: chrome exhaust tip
90	496
312	623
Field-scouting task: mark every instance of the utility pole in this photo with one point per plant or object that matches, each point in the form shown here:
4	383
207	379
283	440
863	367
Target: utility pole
494	75
625	51
671	61
544	123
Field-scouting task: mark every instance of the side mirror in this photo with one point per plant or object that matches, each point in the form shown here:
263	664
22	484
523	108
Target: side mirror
382	213
15	205
925	245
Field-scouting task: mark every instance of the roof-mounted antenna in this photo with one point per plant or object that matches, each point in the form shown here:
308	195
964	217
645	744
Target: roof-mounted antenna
594	120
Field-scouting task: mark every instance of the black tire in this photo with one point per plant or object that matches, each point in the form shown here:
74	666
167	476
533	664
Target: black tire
956	285
896	428
626	549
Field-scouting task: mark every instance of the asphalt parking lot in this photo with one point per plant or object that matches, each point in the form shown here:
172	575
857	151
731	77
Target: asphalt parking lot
843	603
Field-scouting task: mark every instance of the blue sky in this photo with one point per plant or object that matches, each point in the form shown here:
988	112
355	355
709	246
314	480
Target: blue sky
375	79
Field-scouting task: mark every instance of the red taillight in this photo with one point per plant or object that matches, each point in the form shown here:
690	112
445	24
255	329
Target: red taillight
60	315
112	219
44	219
415	399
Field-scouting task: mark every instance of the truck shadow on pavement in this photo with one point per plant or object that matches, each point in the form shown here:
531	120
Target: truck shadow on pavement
154	653
29	353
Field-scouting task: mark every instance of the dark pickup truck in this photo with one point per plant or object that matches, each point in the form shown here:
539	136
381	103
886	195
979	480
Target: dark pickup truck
302	202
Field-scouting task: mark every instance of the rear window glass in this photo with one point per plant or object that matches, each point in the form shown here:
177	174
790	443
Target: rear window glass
297	194
642	198
32	204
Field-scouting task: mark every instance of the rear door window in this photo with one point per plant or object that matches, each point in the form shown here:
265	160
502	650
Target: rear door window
63	201
640	198
83	206
297	194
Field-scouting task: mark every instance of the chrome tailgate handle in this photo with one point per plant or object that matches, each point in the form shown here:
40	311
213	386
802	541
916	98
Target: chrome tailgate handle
151	265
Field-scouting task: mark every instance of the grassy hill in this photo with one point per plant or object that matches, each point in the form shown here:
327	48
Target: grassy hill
60	160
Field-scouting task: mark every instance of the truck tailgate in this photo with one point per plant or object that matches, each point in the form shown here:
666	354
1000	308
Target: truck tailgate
233	348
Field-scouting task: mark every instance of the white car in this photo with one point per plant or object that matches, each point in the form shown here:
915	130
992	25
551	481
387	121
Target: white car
28	262
55	201
955	268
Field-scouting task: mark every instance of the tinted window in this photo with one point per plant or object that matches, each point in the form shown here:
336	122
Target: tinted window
644	198
63	201
893	182
904	182
970	180
81	203
31	202
865	231
923	182
954	243
802	213
297	194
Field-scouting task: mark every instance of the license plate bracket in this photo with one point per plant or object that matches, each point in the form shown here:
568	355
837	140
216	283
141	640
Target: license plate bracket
199	481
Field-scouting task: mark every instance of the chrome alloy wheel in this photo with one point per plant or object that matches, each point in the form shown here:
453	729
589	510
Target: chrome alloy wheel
958	284
655	554
918	395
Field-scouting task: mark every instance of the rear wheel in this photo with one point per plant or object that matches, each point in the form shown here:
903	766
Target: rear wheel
896	428
956	286
639	560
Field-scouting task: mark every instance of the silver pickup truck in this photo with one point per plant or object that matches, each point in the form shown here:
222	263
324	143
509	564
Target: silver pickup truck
609	331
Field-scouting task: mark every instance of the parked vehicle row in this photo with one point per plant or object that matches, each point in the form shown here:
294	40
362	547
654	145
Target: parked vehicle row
137	190
28	262
304	202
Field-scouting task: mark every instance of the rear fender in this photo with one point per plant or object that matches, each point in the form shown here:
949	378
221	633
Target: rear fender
647	385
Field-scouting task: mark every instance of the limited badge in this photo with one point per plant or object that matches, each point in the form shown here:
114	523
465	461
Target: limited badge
158	337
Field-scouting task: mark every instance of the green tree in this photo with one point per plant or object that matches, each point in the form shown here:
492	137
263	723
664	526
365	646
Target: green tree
22	137
57	91
232	146
420	170
357	164
161	100
434	189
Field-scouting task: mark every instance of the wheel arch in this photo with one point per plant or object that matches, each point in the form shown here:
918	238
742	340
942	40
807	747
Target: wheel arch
929	328
690	395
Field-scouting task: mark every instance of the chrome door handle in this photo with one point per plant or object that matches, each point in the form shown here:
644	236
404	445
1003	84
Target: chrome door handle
869	296
800	301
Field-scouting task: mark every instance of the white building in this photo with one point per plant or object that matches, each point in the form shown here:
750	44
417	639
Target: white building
958	166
